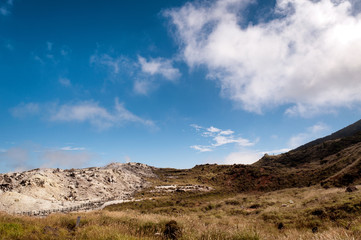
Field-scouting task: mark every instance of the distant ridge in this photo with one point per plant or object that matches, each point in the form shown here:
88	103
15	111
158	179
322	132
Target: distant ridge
344	132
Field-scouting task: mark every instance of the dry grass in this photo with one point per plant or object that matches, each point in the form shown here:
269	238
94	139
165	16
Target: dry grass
331	213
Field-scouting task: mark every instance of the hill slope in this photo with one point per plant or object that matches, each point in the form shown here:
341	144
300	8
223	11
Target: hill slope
334	160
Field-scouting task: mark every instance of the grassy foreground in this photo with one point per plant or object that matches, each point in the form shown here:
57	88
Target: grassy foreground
304	213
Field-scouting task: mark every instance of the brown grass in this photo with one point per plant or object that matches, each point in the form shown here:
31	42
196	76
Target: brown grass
335	214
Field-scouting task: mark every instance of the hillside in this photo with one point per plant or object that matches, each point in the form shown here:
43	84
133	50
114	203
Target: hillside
334	160
69	190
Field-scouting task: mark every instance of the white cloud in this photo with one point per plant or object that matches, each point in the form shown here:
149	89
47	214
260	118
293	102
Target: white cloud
277	151
65	82
311	133
219	138
25	109
213	129
159	66
147	74
307	57
196	127
96	115
69	148
242	157
249	157
86	111
202	148
15	158
222	140
65	159
26	157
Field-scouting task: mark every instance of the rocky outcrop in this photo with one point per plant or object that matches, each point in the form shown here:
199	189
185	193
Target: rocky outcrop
49	189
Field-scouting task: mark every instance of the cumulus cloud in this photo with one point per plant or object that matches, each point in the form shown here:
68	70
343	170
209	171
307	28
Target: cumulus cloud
218	138
307	57
84	112
311	133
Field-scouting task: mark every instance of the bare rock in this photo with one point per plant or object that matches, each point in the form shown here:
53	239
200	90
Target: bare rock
52	190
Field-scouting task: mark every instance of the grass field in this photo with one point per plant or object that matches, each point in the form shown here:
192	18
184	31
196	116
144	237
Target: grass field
298	213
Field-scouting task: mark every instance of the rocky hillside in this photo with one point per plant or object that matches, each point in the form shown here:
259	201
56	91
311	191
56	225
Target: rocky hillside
51	189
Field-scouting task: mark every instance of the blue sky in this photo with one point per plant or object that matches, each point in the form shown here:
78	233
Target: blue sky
173	83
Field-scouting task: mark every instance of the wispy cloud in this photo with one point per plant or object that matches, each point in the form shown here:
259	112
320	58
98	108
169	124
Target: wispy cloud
306	57
114	66
202	148
15	158
65	159
148	74
51	54
218	138
5	7
28	156
83	112
65	81
25	109
96	115
311	133
69	148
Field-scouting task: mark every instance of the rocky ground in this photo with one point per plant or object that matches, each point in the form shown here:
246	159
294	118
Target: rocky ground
41	191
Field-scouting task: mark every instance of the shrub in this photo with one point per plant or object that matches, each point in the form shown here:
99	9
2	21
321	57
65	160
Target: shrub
172	230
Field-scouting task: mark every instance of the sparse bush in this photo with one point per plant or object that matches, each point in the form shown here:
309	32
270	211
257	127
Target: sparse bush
172	230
